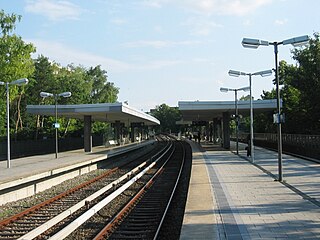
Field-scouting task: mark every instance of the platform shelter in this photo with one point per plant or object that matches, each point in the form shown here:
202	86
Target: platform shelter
119	114
216	115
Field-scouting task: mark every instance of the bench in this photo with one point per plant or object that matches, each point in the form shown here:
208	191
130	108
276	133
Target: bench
111	143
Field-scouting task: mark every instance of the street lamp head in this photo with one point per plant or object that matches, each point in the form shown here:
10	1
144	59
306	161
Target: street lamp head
245	89
65	94
1	83
253	43
264	73
222	89
234	73
20	82
46	94
297	41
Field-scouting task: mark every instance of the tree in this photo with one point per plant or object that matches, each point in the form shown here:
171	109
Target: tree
86	86
305	77
301	88
167	117
15	63
102	91
300	91
43	80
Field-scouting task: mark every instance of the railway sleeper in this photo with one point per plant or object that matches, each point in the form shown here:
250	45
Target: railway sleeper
13	235
132	233
139	222
23	227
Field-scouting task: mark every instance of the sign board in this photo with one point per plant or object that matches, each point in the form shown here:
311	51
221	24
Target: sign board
278	118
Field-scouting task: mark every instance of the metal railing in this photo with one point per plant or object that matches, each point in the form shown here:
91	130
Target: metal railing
45	146
306	145
311	141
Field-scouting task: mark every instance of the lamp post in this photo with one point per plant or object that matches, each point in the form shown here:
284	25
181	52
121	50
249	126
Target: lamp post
56	125
255	43
262	74
18	82
222	89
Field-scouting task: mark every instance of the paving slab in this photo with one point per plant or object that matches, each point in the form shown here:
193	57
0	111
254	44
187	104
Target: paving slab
252	205
199	220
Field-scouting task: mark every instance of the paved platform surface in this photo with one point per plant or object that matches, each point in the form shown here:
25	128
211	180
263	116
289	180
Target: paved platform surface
246	201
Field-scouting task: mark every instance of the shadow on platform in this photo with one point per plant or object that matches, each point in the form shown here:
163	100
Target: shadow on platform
207	146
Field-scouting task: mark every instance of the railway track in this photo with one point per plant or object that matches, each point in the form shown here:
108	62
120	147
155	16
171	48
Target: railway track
41	217
65	215
143	216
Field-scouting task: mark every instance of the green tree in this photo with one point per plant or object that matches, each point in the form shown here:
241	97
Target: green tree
305	79
300	91
263	122
167	117
15	63
43	80
102	91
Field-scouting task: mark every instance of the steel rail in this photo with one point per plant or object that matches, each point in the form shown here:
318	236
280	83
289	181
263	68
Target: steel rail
172	193
66	231
116	219
28	211
43	227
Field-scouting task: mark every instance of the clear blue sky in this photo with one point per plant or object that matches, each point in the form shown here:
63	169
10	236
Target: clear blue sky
164	51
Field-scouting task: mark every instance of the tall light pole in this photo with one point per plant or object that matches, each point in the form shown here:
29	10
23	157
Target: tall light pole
262	74
18	82
235	90
56	125
255	43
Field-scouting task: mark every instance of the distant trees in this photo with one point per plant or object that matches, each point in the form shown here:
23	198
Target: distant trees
167	117
87	85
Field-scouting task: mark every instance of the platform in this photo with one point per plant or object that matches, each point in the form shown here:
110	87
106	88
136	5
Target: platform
231	198
29	175
228	198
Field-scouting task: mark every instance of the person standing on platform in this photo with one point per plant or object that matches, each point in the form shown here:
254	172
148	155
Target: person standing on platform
248	148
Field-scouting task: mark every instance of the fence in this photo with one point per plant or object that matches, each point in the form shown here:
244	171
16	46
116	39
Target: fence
305	145
37	147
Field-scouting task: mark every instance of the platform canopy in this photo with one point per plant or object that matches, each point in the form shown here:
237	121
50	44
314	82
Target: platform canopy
207	110
104	112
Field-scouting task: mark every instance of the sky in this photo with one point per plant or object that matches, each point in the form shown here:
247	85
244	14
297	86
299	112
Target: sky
166	51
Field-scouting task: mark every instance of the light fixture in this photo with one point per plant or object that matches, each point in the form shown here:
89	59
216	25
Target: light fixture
18	82
235	90
56	124
255	43
264	73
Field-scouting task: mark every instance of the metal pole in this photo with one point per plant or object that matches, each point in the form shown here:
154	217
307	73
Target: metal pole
275	44
8	127
237	119
56	129
251	122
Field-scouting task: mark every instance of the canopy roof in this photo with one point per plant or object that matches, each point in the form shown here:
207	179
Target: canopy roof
105	112
207	110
